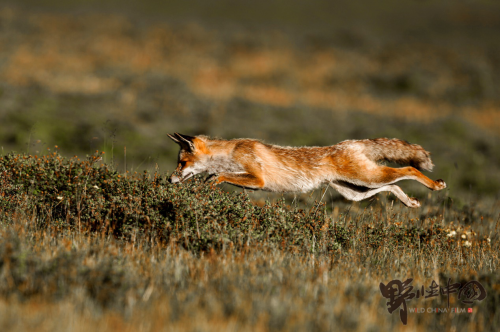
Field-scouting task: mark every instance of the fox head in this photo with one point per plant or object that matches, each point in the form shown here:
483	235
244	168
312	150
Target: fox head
190	155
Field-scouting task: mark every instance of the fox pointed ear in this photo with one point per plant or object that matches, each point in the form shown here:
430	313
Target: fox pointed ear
185	141
185	137
173	138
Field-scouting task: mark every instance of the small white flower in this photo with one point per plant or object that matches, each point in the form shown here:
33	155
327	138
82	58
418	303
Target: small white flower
96	187
488	239
451	234
464	236
467	244
59	198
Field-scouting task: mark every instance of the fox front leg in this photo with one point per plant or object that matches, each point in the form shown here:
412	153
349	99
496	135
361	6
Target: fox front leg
244	180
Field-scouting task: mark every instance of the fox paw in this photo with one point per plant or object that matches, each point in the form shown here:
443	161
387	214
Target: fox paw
413	202
440	184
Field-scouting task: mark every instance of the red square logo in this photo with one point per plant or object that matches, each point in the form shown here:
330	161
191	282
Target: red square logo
470	310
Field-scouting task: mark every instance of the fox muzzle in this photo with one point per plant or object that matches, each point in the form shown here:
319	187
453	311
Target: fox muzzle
174	179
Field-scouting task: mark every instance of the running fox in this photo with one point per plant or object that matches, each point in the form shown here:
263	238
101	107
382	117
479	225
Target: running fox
351	167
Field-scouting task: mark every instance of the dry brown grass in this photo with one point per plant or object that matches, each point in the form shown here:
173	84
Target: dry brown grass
152	287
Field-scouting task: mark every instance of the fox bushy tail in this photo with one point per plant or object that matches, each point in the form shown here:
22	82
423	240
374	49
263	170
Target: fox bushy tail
398	151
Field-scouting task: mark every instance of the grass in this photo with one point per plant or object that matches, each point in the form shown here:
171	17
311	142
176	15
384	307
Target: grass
138	253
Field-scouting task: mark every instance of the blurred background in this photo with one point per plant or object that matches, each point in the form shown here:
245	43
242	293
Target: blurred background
108	75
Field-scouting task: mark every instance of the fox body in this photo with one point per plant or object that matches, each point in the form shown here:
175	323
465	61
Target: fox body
352	167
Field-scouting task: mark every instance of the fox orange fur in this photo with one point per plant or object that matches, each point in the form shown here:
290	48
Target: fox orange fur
352	167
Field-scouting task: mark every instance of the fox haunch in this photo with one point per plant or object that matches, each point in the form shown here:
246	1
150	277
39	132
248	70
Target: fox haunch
352	167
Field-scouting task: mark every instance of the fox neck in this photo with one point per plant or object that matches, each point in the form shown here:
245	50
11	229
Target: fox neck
214	164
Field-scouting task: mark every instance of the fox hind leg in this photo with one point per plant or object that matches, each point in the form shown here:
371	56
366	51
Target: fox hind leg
412	173
408	201
358	193
384	175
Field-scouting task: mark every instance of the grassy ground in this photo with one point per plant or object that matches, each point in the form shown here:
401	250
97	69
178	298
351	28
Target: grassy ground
95	242
87	247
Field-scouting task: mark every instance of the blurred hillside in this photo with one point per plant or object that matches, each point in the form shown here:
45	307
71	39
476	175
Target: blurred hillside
108	75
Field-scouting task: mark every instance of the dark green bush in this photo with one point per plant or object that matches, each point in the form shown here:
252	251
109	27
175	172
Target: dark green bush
88	196
91	197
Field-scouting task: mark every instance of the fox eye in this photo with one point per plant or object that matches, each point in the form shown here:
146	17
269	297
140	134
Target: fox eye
183	163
